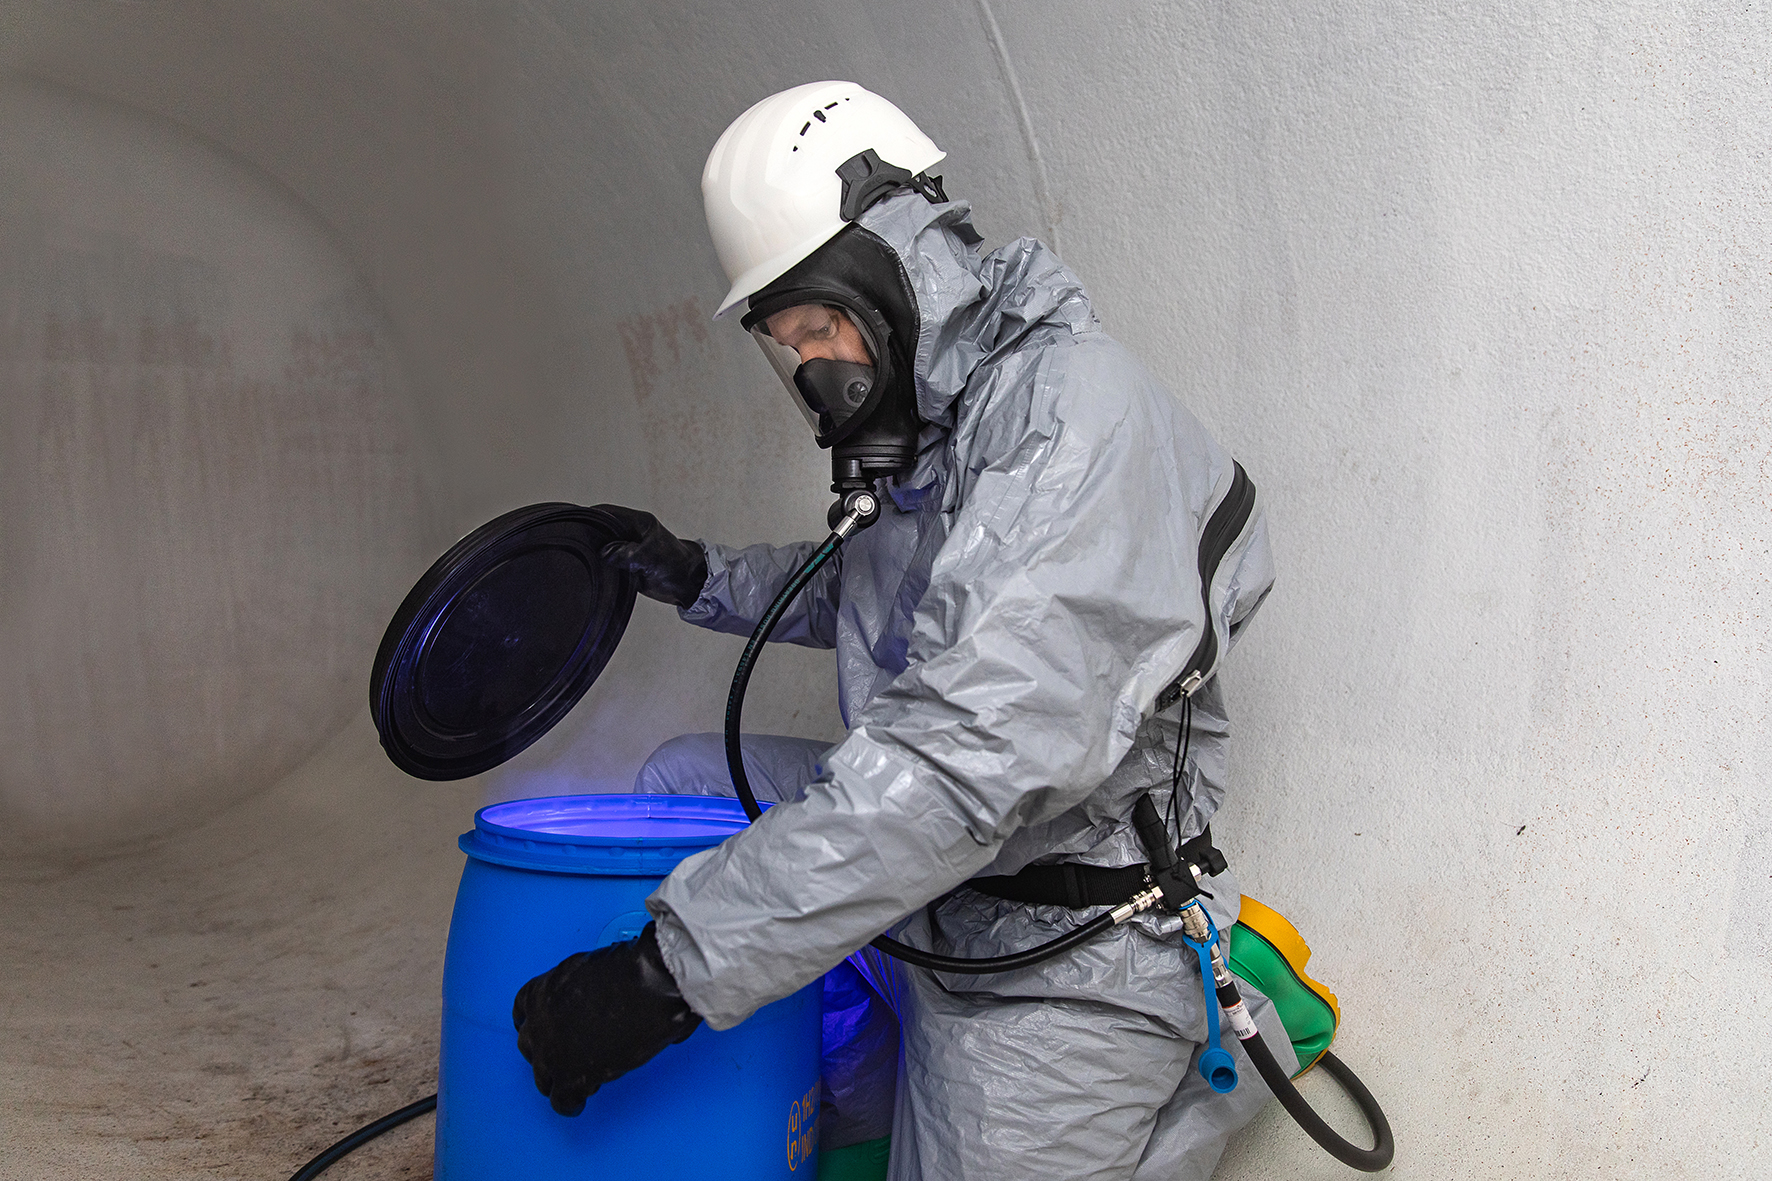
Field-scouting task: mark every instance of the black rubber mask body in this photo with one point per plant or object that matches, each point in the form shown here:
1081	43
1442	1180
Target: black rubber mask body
833	395
865	414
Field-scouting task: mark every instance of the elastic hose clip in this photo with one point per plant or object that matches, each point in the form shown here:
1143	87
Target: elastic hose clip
1216	1065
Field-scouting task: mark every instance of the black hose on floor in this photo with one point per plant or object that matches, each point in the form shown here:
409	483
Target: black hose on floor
1369	1160
362	1136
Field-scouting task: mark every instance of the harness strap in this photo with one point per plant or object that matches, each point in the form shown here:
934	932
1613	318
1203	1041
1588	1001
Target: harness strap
1065	884
1083	886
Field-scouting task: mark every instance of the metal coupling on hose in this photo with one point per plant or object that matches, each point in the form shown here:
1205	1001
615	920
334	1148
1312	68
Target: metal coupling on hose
1137	904
858	510
1221	973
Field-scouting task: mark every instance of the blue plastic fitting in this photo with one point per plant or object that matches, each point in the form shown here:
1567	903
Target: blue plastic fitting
1219	1071
1216	1065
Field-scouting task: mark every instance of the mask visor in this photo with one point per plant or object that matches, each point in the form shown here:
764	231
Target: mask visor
828	393
785	362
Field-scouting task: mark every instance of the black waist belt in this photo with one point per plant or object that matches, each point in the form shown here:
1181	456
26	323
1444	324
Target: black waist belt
1079	886
1065	884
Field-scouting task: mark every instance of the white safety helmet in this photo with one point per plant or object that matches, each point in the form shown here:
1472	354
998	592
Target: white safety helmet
772	188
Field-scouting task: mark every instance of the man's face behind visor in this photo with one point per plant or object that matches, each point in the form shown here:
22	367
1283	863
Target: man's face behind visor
825	360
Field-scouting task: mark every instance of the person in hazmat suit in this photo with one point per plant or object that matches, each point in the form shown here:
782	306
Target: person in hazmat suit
1009	637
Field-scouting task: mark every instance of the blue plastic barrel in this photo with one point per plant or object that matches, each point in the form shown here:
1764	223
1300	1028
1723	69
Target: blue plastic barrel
549	877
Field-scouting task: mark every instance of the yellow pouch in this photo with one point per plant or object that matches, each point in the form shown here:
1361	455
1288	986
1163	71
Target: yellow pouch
1268	952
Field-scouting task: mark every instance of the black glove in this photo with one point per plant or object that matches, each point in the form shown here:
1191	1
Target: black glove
598	1015
667	568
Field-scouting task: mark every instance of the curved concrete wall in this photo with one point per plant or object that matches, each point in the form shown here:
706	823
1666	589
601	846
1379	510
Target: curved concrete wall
209	484
1478	296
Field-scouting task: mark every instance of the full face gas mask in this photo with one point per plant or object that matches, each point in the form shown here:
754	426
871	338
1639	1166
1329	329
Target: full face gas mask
865	414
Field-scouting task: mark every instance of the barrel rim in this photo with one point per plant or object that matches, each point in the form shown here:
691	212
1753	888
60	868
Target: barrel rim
591	853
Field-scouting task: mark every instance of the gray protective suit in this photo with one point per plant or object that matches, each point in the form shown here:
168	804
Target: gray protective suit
1002	635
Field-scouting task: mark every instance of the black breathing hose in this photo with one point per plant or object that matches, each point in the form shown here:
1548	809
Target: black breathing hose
362	1136
741	677
1369	1160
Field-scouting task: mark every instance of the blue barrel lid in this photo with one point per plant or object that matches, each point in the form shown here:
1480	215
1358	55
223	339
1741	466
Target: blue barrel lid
620	835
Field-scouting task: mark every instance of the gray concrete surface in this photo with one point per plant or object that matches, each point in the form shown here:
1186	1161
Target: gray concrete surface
210	483
1478	294
228	999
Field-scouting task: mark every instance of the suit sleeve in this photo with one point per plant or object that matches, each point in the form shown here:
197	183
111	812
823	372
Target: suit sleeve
1065	597
743	582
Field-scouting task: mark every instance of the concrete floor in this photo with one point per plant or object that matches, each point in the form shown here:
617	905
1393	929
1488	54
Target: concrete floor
228	1001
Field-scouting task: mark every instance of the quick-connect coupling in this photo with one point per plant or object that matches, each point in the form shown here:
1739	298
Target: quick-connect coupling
1137	904
1165	870
854	512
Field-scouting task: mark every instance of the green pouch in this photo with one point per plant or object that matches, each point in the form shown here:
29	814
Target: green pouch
1269	953
858	1162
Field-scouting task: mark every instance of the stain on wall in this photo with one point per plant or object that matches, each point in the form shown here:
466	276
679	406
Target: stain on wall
648	337
208	491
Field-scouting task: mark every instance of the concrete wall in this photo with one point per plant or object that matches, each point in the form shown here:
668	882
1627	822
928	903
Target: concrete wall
209	487
1479	295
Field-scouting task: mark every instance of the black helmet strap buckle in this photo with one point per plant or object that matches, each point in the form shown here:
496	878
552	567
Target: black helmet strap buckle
866	178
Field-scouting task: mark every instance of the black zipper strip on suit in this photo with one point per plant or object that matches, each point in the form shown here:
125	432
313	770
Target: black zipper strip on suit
1077	886
1222	531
